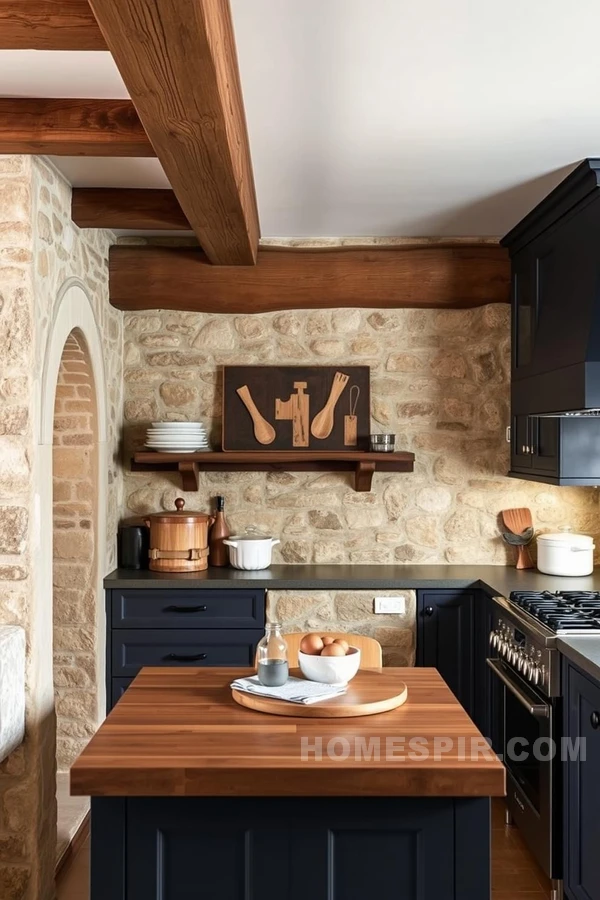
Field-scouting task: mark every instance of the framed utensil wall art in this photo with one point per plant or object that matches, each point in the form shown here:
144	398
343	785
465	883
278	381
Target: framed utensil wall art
296	407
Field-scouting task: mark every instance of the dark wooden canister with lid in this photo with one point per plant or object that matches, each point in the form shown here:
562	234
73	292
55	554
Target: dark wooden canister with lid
179	540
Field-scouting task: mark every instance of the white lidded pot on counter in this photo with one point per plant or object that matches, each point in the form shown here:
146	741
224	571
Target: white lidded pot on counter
565	553
251	550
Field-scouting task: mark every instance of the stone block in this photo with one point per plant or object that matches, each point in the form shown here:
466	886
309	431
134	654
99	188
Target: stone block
329	552
71	463
14	881
14	522
324	520
77	705
13	573
141	411
173	393
328	348
346	320
77	545
296	551
215	335
422	530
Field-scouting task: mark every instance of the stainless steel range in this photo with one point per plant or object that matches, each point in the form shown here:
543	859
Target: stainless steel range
527	707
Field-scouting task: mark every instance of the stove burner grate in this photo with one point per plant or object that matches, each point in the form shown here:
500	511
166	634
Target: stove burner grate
562	611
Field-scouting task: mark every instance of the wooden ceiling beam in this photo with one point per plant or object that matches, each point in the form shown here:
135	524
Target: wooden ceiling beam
179	63
49	25
72	128
139	209
428	276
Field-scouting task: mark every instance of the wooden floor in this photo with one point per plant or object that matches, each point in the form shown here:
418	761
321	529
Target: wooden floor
515	875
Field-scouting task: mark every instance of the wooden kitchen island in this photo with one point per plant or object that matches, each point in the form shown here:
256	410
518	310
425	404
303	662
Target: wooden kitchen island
197	798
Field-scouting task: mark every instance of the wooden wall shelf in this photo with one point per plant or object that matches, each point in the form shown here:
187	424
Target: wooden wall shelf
190	464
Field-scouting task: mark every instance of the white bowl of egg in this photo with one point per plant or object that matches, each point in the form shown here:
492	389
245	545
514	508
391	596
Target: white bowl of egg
328	660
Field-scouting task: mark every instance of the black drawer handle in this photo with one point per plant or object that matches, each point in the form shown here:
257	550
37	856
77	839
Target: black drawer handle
185	609
429	610
182	657
595	719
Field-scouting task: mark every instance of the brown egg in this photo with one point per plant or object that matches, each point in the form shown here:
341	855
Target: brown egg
333	649
327	639
343	644
311	644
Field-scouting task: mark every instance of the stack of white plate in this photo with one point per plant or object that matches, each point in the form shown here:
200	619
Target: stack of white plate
177	437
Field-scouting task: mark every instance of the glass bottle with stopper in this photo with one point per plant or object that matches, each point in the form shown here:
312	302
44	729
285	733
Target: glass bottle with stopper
272	657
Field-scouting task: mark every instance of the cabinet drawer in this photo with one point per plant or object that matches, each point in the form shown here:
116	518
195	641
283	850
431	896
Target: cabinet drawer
188	609
131	650
117	689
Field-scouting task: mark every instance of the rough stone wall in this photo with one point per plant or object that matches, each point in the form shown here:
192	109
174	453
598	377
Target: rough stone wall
349	611
17	773
40	249
74	466
440	381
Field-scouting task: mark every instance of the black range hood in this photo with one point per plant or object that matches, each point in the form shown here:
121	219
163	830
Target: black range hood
555	254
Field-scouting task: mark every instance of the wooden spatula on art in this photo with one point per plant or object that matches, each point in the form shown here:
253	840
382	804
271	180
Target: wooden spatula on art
263	430
520	523
322	424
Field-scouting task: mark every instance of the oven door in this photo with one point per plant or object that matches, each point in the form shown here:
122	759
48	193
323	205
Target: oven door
528	751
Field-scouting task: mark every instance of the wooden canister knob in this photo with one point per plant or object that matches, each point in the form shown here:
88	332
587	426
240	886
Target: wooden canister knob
179	503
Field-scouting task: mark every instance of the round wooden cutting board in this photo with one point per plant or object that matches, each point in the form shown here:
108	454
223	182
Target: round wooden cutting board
370	692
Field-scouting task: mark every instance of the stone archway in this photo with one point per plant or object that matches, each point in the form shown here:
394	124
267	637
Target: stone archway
73	326
74	601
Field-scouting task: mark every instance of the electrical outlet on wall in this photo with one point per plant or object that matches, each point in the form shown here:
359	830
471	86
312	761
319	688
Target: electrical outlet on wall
390	605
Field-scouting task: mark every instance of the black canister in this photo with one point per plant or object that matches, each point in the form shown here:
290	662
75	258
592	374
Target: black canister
134	544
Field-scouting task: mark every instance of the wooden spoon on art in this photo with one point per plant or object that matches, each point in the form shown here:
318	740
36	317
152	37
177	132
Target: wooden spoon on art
322	424
263	430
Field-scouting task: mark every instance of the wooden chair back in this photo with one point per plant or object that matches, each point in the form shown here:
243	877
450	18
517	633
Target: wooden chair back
371	656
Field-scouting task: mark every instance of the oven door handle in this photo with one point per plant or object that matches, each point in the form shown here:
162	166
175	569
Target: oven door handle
539	710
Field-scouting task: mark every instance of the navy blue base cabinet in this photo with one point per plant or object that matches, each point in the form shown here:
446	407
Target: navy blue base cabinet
349	848
582	787
453	629
158	627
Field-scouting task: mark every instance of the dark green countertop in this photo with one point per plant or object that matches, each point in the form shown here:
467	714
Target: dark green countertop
494	579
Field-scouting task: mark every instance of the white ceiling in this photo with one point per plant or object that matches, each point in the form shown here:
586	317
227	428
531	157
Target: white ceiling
387	118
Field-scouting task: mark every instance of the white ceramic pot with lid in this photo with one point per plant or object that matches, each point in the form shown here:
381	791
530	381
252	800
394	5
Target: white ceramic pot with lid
565	553
251	550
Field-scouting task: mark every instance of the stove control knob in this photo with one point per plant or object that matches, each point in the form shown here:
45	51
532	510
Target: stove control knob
521	661
527	669
535	673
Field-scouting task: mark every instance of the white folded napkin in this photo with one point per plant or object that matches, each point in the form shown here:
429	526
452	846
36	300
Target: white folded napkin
295	690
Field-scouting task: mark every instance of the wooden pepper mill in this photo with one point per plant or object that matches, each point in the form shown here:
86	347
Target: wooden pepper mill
218	553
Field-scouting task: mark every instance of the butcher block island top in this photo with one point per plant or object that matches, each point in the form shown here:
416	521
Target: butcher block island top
178	732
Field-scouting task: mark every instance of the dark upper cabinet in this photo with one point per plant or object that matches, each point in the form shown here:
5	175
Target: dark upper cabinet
555	451
555	277
524	310
555	297
582	788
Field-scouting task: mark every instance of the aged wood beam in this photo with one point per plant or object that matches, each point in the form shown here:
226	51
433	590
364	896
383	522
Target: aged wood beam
72	128
49	25
127	208
178	60
435	276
